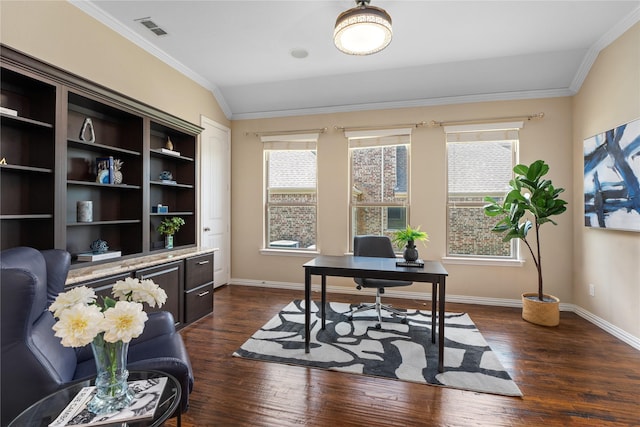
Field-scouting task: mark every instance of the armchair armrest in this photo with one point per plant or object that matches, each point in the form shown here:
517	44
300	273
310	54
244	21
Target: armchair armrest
159	323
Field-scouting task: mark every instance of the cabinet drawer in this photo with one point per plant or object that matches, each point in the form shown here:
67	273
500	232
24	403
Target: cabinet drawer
199	271
198	302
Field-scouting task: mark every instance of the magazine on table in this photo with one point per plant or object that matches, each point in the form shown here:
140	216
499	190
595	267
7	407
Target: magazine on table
144	405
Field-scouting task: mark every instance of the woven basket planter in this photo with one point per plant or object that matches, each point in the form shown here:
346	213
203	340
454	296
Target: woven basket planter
544	313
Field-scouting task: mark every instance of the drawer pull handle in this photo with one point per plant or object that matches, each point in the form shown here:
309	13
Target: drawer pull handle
203	262
203	293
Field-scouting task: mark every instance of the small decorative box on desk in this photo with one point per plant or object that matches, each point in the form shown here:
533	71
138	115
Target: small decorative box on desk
160	209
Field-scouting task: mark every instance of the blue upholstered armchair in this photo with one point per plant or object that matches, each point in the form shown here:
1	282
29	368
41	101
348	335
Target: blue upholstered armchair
34	362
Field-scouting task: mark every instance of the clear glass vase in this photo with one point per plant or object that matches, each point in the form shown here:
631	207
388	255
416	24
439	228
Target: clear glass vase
112	389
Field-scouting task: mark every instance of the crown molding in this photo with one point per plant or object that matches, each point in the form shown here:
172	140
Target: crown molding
427	102
95	12
581	74
604	41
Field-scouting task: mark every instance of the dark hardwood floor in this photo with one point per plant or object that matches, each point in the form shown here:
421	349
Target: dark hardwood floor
572	375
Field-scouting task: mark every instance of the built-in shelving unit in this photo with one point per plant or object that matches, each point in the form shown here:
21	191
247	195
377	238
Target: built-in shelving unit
117	208
51	164
27	150
180	195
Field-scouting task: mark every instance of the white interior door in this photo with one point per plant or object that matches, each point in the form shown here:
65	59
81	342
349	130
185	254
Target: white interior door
215	195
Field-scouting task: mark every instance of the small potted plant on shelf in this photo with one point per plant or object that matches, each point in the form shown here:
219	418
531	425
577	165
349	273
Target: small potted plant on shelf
530	197
407	238
168	227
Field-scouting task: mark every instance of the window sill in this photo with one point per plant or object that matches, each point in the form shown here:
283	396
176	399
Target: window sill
494	262
290	252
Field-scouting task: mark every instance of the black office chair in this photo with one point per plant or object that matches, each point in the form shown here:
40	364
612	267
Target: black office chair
379	247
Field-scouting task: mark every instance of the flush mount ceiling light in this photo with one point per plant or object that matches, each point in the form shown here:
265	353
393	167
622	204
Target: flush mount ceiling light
362	30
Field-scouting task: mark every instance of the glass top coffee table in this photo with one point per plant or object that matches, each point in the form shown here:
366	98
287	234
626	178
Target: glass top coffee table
46	410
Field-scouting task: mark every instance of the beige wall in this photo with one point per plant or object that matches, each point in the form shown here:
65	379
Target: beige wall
61	34
549	138
609	259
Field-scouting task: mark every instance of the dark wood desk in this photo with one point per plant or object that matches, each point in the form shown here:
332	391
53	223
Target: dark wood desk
377	268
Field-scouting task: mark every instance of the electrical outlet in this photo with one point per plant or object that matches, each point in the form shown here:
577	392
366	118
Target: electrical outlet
592	289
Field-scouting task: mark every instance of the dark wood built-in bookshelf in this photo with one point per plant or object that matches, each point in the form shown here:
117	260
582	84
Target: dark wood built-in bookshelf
51	164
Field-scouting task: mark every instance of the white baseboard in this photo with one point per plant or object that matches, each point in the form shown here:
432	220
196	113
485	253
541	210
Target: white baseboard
621	334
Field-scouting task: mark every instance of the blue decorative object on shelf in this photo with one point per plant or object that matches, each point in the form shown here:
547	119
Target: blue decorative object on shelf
99	246
160	209
166	175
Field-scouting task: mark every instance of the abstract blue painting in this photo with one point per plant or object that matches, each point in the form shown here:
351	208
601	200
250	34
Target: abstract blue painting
612	178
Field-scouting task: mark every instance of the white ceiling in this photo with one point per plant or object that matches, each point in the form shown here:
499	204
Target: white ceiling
442	52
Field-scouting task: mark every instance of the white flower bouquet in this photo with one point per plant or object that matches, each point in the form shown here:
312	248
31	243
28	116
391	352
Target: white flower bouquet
81	318
108	327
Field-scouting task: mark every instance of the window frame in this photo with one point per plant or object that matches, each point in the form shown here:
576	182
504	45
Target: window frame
298	142
479	134
378	139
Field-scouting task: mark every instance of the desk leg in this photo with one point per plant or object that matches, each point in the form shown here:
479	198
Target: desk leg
307	309
434	301
324	301
441	327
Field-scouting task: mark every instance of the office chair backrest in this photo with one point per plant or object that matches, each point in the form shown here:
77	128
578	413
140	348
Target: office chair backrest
373	246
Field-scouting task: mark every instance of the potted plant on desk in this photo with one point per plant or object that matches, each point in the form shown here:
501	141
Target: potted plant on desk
168	227
530	196
407	238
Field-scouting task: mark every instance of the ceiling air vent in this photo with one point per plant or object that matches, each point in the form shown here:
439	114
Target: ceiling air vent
152	26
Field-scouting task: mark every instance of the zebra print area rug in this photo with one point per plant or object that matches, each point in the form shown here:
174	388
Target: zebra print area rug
399	351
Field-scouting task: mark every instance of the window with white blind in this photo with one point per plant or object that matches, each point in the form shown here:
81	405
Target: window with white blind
480	162
290	185
379	183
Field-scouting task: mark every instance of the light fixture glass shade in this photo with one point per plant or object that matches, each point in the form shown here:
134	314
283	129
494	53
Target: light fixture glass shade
362	30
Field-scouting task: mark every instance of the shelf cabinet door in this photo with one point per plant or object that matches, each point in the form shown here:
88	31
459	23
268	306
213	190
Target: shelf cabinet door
169	277
27	148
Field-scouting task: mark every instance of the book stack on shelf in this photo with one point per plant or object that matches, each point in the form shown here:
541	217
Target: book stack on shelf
90	256
144	405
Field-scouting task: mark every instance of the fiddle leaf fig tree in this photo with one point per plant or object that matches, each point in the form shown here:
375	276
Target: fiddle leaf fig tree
530	203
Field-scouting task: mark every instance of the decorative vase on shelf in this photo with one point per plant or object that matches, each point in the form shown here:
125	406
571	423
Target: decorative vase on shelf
168	241
112	390
410	253
84	211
